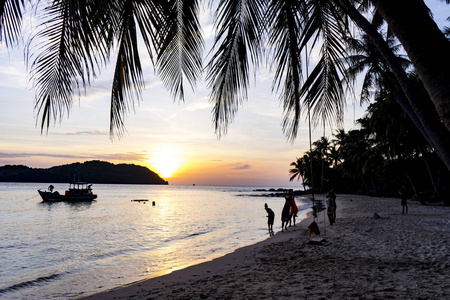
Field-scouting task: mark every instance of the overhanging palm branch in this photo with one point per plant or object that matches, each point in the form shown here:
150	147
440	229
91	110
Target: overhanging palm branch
239	24
323	90
64	54
172	31
180	54
10	20
128	79
286	20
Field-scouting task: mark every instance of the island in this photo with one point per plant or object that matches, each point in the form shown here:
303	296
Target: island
94	171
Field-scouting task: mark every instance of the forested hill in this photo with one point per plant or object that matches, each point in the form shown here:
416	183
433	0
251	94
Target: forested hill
90	171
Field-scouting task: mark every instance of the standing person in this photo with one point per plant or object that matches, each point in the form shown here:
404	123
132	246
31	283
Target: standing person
285	213
404	196
270	218
331	207
294	210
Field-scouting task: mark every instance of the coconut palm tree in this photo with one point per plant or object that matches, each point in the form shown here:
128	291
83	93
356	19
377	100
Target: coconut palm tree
364	58
426	45
300	167
418	110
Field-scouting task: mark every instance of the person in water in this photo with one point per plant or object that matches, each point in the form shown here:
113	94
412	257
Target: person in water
285	213
294	210
270	218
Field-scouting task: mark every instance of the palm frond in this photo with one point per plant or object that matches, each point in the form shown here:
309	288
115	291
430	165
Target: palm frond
239	24
152	18
323	90
365	58
286	20
10	21
128	80
64	55
181	50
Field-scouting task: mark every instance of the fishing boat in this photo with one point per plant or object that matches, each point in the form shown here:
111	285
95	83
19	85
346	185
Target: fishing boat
77	192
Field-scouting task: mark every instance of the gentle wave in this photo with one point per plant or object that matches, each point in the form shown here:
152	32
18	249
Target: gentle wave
183	237
100	256
197	234
29	283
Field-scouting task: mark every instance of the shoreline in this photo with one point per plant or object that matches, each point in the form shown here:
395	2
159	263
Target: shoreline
372	252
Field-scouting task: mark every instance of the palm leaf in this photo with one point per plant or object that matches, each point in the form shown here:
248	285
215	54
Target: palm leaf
239	24
128	80
64	55
286	20
180	54
10	20
323	90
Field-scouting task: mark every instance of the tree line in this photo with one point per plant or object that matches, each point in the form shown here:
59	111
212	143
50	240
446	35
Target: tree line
90	171
384	154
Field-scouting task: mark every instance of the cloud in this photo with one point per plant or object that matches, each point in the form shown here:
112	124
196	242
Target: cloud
242	167
126	157
91	132
199	105
21	155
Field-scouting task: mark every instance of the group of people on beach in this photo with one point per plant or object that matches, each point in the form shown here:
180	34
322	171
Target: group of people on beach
290	210
288	214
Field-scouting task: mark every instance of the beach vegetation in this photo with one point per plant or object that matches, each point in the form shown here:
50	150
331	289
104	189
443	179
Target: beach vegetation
385	153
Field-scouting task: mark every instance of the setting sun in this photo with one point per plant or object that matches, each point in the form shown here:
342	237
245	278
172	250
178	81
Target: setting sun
166	161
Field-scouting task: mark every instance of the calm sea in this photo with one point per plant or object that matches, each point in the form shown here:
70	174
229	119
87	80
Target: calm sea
62	250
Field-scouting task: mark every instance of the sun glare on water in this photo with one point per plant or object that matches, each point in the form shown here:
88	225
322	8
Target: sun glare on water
166	161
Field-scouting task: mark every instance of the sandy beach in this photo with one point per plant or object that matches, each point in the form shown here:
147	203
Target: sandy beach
372	252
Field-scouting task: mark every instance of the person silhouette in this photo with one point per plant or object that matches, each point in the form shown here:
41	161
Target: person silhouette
331	207
294	211
286	213
270	218
404	202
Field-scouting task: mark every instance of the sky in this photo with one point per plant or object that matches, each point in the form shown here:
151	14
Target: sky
174	139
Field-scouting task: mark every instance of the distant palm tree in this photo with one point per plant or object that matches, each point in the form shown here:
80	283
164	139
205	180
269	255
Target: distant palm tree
300	167
334	155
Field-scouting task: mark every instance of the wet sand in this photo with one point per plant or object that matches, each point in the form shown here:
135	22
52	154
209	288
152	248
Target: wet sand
372	252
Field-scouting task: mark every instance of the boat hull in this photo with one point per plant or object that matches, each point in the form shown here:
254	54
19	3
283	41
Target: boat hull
55	197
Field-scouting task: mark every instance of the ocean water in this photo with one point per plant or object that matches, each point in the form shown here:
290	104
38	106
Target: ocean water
62	250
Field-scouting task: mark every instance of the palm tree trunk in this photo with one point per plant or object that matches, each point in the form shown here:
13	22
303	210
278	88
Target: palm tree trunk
433	181
364	184
426	45
436	131
413	186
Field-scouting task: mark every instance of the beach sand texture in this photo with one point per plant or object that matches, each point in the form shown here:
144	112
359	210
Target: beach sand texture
372	252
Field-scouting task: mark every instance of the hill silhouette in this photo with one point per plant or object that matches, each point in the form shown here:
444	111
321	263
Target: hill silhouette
90	171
